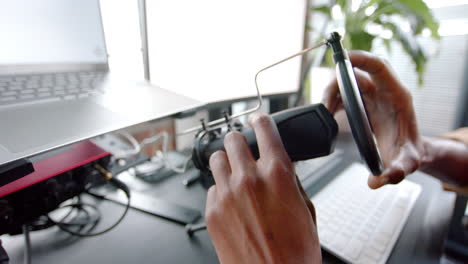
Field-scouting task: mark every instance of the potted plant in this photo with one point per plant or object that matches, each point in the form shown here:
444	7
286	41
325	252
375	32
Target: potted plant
366	21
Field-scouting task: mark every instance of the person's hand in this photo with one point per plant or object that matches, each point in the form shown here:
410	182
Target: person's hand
257	212
390	109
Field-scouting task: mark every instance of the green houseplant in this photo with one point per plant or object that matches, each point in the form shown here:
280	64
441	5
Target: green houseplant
367	20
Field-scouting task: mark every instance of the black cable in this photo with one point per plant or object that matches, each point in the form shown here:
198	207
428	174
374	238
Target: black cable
71	209
81	208
87	223
120	185
43	221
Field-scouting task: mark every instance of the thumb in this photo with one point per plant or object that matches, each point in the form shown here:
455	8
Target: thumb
407	161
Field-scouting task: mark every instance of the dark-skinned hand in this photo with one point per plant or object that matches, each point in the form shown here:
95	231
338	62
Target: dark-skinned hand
390	109
257	212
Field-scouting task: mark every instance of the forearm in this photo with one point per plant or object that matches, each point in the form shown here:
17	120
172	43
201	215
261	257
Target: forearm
446	160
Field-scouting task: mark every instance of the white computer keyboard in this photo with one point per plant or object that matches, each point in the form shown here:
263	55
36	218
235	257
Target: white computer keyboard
360	225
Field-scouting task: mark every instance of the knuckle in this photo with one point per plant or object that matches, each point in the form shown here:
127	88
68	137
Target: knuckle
225	200
384	62
380	61
277	166
233	137
246	183
280	172
217	157
210	216
261	120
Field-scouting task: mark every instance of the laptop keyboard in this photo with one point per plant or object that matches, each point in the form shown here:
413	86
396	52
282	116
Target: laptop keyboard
49	87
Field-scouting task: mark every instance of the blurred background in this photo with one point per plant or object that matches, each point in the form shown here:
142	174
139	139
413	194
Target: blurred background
428	54
425	42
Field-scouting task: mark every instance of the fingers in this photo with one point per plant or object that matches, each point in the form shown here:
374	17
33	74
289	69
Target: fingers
269	142
219	165
238	152
378	69
404	164
368	62
210	201
364	81
375	182
393	175
210	208
331	98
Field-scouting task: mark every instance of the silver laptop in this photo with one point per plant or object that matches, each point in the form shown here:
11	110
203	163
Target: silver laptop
55	86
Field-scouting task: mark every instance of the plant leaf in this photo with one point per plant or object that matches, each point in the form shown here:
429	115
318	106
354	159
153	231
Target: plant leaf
382	8
324	9
328	59
422	11
411	47
343	4
360	40
370	3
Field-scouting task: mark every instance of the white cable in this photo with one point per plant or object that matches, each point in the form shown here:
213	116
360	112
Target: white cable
131	152
162	135
137	147
181	169
167	163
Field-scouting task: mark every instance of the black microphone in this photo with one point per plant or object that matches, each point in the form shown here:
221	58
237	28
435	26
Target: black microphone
307	132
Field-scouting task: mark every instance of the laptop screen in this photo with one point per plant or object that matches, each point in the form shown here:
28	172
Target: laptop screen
51	32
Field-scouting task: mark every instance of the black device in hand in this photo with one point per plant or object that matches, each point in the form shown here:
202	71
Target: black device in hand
307	132
354	106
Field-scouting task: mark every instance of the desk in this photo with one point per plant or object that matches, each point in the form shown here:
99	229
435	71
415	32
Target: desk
142	238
